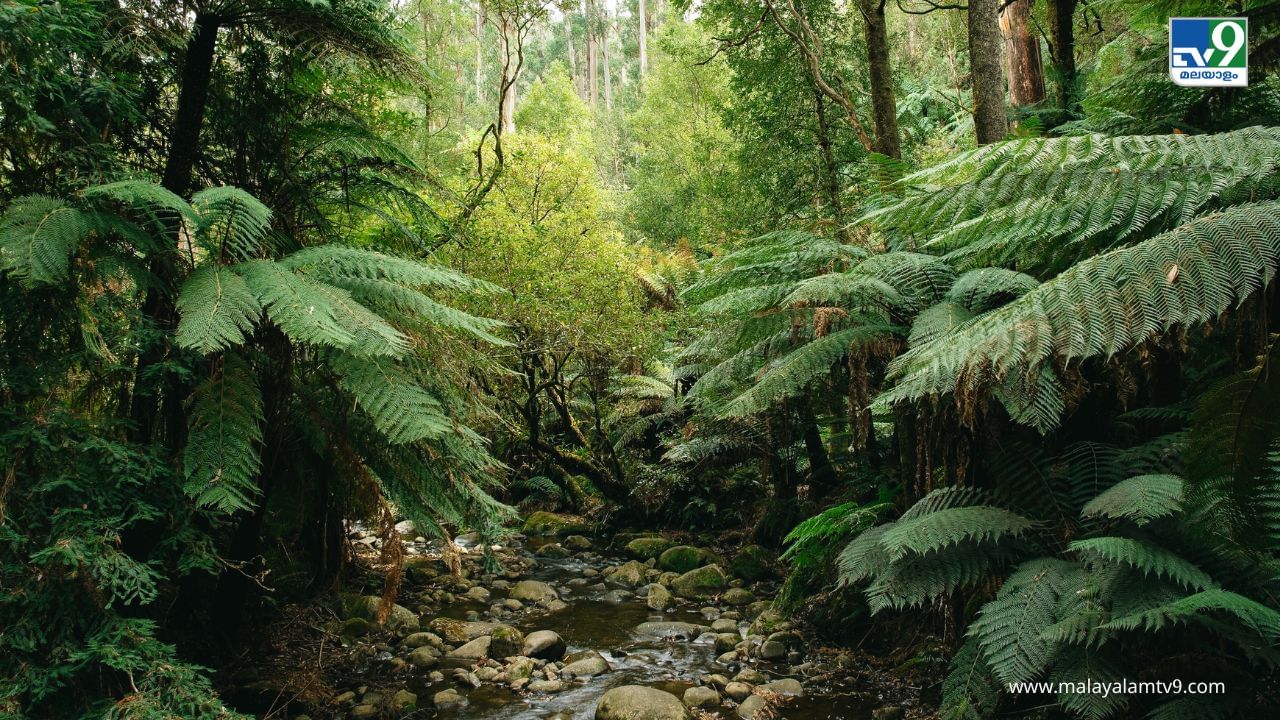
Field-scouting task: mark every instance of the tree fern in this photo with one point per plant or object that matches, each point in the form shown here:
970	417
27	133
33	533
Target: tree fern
38	236
1010	628
985	289
1251	614
221	458
232	223
1145	557
970	690
952	526
400	408
1141	499
217	309
1100	307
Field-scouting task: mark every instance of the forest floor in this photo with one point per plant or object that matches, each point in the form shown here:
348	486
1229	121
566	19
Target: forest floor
561	628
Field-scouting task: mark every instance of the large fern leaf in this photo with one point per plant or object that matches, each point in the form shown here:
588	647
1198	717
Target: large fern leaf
1147	558
217	309
38	235
221	459
1141	499
1011	627
399	407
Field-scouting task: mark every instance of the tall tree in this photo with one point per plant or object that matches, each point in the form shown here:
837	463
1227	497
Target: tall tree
593	53
1062	48
1022	49
643	40
607	26
884	108
989	121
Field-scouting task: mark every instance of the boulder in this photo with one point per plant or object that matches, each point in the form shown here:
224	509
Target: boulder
520	668
365	607
647	548
737	597
456	632
553	550
548	523
683	558
636	702
506	641
449	700
589	666
701	697
752	563
543	644
751	708
477	594
631	574
545	686
534	591
424	658
474	650
724	625
772	650
403	701
669	629
703	582
419	639
785	686
577	543
659	598
727	641
737	691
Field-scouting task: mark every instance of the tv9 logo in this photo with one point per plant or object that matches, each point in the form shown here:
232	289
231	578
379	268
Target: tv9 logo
1209	52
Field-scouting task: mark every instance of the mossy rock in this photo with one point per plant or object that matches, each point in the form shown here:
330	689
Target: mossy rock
704	582
752	563
506	641
549	523
356	627
365	607
683	558
769	622
646	548
631	574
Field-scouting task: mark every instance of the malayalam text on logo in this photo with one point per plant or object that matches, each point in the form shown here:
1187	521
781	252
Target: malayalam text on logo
1209	52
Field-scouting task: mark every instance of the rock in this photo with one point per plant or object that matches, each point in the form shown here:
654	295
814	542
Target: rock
616	597
364	711
544	644
366	607
631	574
737	691
724	625
474	650
728	658
700	697
768	622
345	698
534	591
750	677
772	650
785	686
520	668
553	550
507	641
356	627
636	702
477	594
424	658
545	686
418	639
665	629
589	666
659	598
404	700
727	641
888	712
702	582
486	674
752	563
683	558
449	700
647	548
548	523
751	708
456	632
737	596
577	543
555	606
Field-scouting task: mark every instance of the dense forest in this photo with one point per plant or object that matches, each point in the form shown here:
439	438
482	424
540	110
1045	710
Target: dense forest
637	360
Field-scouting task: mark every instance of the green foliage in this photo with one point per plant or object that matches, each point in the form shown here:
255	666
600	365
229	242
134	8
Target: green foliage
221	460
1141	499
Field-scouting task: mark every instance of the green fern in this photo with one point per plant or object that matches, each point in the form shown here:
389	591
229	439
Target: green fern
221	459
1251	614
232	223
217	309
37	238
1141	499
1011	627
400	408
1149	559
952	526
970	690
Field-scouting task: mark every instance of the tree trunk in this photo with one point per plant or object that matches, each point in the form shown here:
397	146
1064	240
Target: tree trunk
989	121
158	307
883	105
608	76
831	180
479	53
507	115
573	56
1022	47
593	79
1062	48
643	41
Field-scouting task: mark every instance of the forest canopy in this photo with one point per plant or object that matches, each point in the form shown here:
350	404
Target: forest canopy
929	347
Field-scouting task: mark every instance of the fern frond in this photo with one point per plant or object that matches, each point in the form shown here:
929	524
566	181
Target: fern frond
952	526
217	309
1251	614
333	262
38	235
400	408
221	459
970	690
938	321
1141	499
985	289
1148	558
232	223
1011	627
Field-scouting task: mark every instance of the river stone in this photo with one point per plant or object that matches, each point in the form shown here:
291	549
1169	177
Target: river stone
659	598
737	691
548	523
726	642
360	712
590	666
577	543
555	606
356	627
772	650
521	667
647	548
545	686
456	632
507	641
752	563
404	700
419	639
750	677
449	700
630	574
737	597
683	558
544	644
724	625
888	712
553	550
474	650
636	702
534	591
477	594
728	658
785	686
702	582
365	607
768	622
701	697
668	629
751	708
424	658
